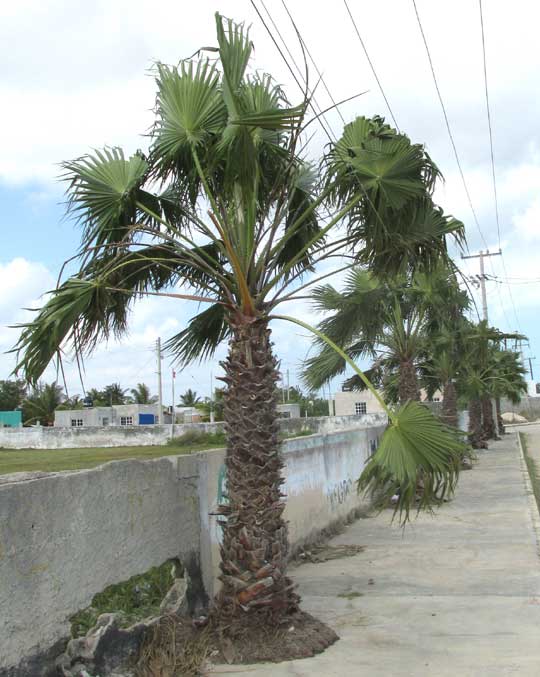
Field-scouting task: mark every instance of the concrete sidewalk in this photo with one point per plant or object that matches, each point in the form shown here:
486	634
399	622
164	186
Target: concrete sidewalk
457	594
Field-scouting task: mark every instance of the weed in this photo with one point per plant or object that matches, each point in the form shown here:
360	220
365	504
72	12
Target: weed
197	438
532	467
137	598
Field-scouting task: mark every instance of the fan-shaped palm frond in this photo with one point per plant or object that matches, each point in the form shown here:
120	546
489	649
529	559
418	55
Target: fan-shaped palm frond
199	340
417	461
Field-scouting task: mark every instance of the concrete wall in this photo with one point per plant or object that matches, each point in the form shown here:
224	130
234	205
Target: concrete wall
122	436
66	536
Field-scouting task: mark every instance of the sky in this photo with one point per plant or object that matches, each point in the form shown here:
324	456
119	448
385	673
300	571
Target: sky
76	76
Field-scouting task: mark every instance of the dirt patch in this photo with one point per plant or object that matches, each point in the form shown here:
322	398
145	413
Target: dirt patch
323	552
177	648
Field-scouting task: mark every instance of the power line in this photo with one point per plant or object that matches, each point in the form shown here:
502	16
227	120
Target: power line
313	102
492	155
456	154
371	64
448	125
312	61
489	125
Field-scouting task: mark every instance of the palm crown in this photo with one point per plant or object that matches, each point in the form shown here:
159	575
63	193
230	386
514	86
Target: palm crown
238	215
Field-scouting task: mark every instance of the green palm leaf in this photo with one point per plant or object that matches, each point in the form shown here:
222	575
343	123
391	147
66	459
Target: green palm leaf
201	337
417	453
102	193
190	108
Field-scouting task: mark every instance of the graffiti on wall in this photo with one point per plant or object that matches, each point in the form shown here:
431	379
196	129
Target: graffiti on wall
340	492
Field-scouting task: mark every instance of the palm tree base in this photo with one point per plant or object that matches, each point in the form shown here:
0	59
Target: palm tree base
177	646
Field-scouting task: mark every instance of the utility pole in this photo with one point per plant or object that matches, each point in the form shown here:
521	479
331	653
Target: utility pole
482	276
173	374
211	397
330	403
288	388
160	387
530	366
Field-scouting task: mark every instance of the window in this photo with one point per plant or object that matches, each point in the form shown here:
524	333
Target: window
360	408
105	420
126	420
76	422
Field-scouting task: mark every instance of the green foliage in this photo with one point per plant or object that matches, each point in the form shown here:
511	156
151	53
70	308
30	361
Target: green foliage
418	457
310	403
193	439
136	599
237	218
214	405
41	403
12	394
190	399
141	394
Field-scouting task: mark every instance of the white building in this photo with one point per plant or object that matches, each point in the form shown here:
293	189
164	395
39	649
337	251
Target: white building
118	414
289	410
358	402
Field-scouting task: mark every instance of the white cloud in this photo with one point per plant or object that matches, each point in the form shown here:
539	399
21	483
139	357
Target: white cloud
527	222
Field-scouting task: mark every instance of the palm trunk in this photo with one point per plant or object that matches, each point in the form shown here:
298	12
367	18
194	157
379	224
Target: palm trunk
449	413
408	383
255	536
488	424
475	424
500	423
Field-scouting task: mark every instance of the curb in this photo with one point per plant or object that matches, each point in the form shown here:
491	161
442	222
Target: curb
533	506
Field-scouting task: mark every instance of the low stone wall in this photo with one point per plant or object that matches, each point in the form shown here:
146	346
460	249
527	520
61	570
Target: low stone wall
528	407
66	536
131	436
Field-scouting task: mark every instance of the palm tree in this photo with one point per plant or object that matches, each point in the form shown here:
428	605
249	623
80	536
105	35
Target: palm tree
481	377
114	394
141	394
381	319
42	402
509	381
190	399
238	220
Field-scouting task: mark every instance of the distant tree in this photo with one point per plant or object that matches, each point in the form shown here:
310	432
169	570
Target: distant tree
41	404
97	397
215	405
190	399
73	402
310	404
141	394
12	394
114	394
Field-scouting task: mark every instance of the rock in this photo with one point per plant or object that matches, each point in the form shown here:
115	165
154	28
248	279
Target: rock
511	417
105	649
175	601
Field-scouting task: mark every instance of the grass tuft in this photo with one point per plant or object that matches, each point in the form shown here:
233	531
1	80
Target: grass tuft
136	599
